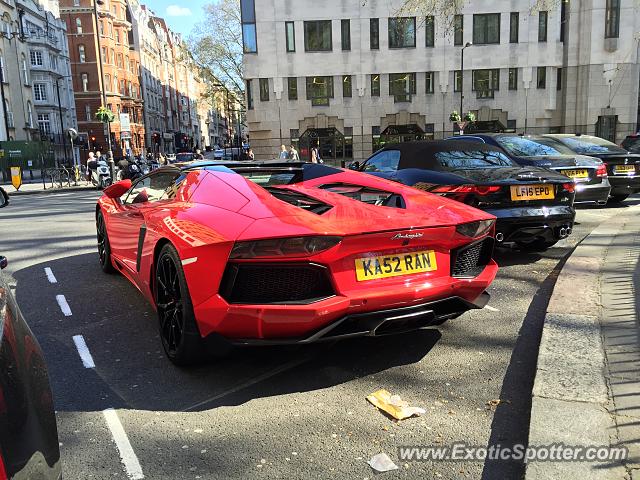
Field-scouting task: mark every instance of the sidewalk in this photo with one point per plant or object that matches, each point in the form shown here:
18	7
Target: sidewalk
587	387
34	188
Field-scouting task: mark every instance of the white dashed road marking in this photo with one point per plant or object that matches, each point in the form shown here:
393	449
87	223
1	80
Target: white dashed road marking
50	275
127	455
64	306
83	351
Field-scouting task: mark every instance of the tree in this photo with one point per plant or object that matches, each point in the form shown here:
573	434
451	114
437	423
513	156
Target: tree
216	42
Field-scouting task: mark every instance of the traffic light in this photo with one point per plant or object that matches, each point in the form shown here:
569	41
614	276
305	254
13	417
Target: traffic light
93	138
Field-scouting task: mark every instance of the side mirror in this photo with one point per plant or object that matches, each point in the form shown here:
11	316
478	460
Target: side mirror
354	165
4	198
118	189
3	262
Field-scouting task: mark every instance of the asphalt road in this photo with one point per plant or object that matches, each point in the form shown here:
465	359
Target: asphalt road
272	412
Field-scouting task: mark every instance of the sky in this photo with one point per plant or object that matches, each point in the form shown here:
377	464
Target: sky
180	15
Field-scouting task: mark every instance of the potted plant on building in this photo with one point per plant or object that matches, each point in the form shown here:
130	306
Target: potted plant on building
105	115
455	117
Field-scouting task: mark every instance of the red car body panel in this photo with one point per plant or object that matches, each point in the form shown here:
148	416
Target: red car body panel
212	210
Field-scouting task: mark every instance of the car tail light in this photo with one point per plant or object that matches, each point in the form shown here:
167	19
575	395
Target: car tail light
477	189
284	247
569	187
602	170
475	229
3	471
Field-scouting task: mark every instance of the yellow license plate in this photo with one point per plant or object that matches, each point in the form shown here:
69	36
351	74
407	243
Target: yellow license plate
576	173
532	192
371	268
624	169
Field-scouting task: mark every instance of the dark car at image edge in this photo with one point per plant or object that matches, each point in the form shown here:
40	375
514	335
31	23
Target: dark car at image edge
533	206
29	446
623	167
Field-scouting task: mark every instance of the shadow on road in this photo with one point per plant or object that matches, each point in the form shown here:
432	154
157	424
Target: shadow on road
119	327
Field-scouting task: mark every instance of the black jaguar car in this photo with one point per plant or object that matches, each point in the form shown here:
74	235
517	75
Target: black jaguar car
623	167
534	206
589	173
28	434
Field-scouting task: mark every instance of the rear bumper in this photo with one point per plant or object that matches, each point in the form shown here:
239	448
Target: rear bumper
598	193
379	323
622	185
529	223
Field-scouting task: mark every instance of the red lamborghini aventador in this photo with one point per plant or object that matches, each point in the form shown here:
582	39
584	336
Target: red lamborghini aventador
277	253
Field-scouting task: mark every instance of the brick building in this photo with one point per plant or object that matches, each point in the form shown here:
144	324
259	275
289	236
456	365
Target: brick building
106	64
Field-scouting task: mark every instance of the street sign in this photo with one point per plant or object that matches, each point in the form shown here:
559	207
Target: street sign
16	177
125	135
125	123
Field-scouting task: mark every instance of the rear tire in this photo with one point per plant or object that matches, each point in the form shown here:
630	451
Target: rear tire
177	324
536	245
104	247
619	198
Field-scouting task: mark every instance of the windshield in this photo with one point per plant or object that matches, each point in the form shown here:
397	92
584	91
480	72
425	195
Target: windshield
469	159
529	147
587	145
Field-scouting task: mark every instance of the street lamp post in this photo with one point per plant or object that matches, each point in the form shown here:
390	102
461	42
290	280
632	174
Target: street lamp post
101	84
468	44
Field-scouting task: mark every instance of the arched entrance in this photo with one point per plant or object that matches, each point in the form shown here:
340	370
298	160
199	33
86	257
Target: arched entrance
398	134
333	146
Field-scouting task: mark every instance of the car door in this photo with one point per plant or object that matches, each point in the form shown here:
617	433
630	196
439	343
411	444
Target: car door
129	222
383	164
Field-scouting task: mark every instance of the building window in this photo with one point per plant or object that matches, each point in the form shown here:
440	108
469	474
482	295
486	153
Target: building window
87	112
513	79
122	87
101	27
319	90
317	36
347	89
53	61
430	31
248	15
119	63
543	18
375	85
81	54
514	27
9	114
290	34
113	57
85	82
559	79
458	29
345	34
563	19
402	32
264	89
44	124
2	71
374	34
105	58
249	94
486	28
36	58
40	92
541	80
292	87
29	115
25	70
429	82
402	86
486	82
612	19
76	3
457	80
78	25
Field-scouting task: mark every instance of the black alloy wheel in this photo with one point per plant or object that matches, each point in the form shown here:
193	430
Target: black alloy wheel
104	248
619	198
178	330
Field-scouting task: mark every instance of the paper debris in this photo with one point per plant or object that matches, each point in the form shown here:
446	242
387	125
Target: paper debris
393	405
382	463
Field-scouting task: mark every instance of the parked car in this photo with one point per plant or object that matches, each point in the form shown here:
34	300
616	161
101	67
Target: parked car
534	205
28	433
218	154
631	143
623	167
282	253
589	173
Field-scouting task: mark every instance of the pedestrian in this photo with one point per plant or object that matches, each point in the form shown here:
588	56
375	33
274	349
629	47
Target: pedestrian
294	156
250	155
284	155
315	154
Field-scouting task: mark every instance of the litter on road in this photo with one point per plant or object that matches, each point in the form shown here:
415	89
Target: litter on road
382	463
393	405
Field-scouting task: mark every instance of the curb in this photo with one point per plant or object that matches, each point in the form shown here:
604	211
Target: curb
571	401
50	191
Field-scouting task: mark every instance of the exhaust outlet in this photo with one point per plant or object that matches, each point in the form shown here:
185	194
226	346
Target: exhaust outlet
563	232
499	237
569	230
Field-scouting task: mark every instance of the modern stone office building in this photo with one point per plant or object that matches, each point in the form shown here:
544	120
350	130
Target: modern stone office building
353	75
